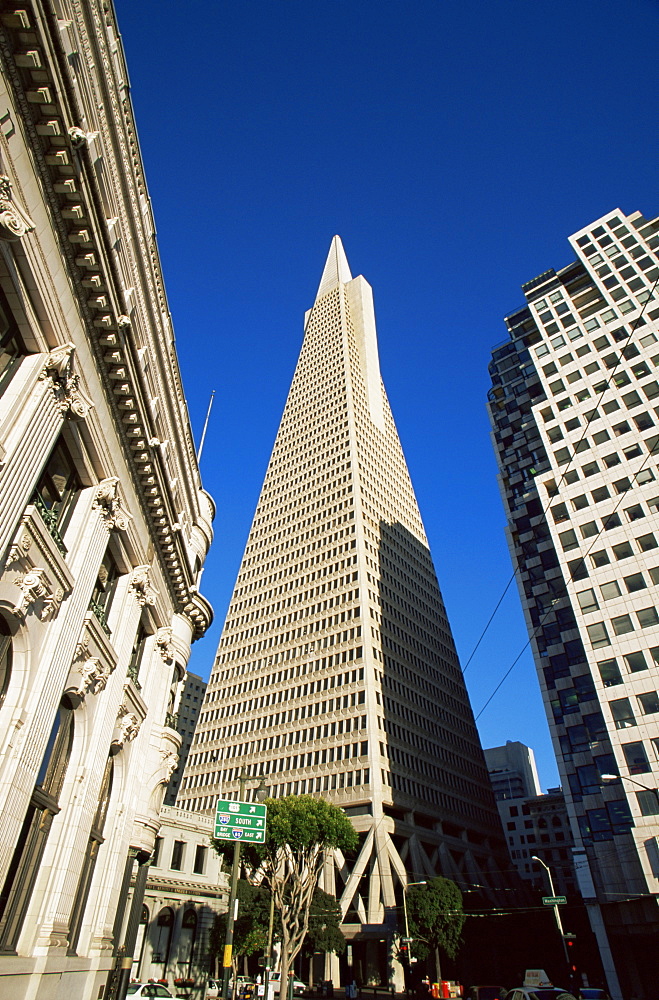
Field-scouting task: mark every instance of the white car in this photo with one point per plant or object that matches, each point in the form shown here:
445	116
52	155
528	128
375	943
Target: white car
539	993
299	988
147	990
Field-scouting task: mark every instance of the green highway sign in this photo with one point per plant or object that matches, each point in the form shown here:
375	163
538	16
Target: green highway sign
240	821
554	900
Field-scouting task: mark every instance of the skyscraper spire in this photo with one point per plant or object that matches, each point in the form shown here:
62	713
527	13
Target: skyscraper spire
336	268
336	674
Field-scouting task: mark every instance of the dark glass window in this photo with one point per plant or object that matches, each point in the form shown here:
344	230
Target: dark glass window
44	806
12	348
5	658
57	491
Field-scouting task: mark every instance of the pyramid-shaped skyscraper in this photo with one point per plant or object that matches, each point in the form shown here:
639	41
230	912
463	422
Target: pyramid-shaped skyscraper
336	674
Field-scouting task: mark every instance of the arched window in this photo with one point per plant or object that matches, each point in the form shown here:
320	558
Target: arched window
44	806
91	854
163	936
5	658
187	942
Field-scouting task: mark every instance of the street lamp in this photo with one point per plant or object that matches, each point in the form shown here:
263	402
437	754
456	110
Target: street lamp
616	777
261	793
556	913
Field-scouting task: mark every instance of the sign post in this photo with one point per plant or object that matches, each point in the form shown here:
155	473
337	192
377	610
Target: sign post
237	821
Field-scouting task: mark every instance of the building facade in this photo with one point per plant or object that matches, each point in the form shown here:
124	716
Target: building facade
104	525
512	771
185	890
336	674
535	825
574	413
192	697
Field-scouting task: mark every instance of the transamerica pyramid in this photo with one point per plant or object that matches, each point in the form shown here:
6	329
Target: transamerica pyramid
336	674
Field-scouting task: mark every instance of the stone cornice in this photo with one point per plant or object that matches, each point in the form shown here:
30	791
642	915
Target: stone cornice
39	74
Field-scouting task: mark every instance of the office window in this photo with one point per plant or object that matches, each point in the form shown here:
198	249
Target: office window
598	635
610	590
636	757
622	551
621	712
648	803
647	542
635	582
609	672
647	617
587	601
649	702
622	624
635	662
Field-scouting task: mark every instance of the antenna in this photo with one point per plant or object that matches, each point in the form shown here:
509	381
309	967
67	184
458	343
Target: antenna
203	433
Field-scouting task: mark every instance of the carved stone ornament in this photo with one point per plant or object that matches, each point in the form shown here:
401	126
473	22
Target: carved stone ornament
108	501
35	586
164	643
141	584
78	137
94	675
14	222
123	322
19	549
169	763
128	725
66	383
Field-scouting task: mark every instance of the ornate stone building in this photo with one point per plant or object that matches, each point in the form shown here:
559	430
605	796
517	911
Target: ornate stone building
104	525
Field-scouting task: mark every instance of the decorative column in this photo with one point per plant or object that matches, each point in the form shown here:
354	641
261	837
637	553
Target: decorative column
132	927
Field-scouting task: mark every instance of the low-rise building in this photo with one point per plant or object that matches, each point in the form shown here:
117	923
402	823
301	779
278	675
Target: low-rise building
185	890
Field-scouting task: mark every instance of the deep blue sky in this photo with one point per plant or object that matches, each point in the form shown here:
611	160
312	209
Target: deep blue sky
454	147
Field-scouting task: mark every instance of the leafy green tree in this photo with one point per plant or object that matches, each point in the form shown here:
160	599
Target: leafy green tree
436	919
299	829
324	932
250	930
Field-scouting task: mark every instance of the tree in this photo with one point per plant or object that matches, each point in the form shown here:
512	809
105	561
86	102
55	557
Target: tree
324	932
250	930
436	919
299	829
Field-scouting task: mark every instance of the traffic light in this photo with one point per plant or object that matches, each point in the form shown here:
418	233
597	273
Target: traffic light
570	945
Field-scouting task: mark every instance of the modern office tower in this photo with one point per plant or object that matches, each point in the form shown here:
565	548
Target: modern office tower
191	700
336	674
574	408
512	771
534	824
104	525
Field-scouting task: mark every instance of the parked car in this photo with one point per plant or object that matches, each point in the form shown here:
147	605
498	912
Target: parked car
213	989
486	993
299	988
147	990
